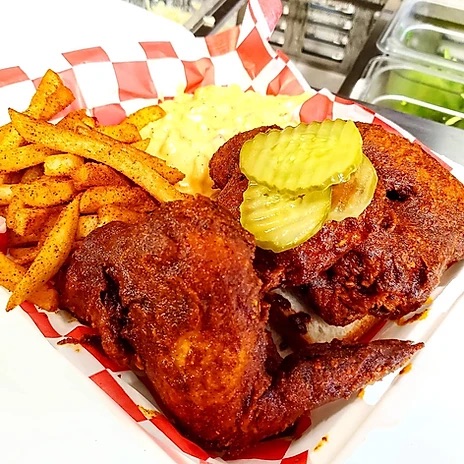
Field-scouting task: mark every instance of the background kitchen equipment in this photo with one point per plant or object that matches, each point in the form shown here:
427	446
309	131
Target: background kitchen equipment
202	17
324	37
414	89
419	69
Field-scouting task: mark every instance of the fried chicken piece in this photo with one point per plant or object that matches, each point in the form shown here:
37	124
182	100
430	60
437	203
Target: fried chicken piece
387	261
225	163
225	172
396	268
301	264
177	296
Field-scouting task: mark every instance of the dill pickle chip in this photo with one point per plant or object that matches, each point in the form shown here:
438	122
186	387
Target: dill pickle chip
351	198
280	221
306	157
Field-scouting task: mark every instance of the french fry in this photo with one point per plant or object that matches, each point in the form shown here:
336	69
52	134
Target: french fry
86	225
27	221
32	174
44	192
16	240
96	197
110	213
12	273
173	175
169	173
122	157
49	99
3	131
15	205
124	132
23	255
10	139
144	116
76	118
15	159
6	194
10	177
141	144
96	174
62	165
53	253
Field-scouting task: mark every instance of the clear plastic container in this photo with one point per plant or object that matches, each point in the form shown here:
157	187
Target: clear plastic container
415	89
429	31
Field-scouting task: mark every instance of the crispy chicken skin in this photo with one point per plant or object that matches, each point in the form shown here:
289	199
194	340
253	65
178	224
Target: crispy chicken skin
387	261
301	264
396	268
177	296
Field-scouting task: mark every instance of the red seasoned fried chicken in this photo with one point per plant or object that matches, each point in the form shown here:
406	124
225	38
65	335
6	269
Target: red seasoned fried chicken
387	261
298	265
177	296
395	269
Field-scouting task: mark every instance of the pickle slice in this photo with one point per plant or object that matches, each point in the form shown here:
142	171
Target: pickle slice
280	221
306	157
351	198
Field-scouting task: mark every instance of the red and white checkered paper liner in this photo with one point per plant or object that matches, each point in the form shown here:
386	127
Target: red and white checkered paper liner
112	82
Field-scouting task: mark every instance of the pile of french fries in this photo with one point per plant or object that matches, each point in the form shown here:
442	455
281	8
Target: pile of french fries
60	181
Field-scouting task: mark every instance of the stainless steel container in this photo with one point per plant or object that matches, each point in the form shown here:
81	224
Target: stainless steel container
413	88
421	69
429	31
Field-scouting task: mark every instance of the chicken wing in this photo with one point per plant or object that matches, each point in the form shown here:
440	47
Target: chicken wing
177	298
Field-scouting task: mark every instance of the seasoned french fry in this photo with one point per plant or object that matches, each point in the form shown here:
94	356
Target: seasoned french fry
124	132
49	99
46	191
16	240
33	173
96	197
62	165
141	144
15	205
52	255
144	116
23	157
122	157
173	175
3	131
86	225
27	221
10	177
12	273
10	139
96	174
110	213
6	194
23	255
76	118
